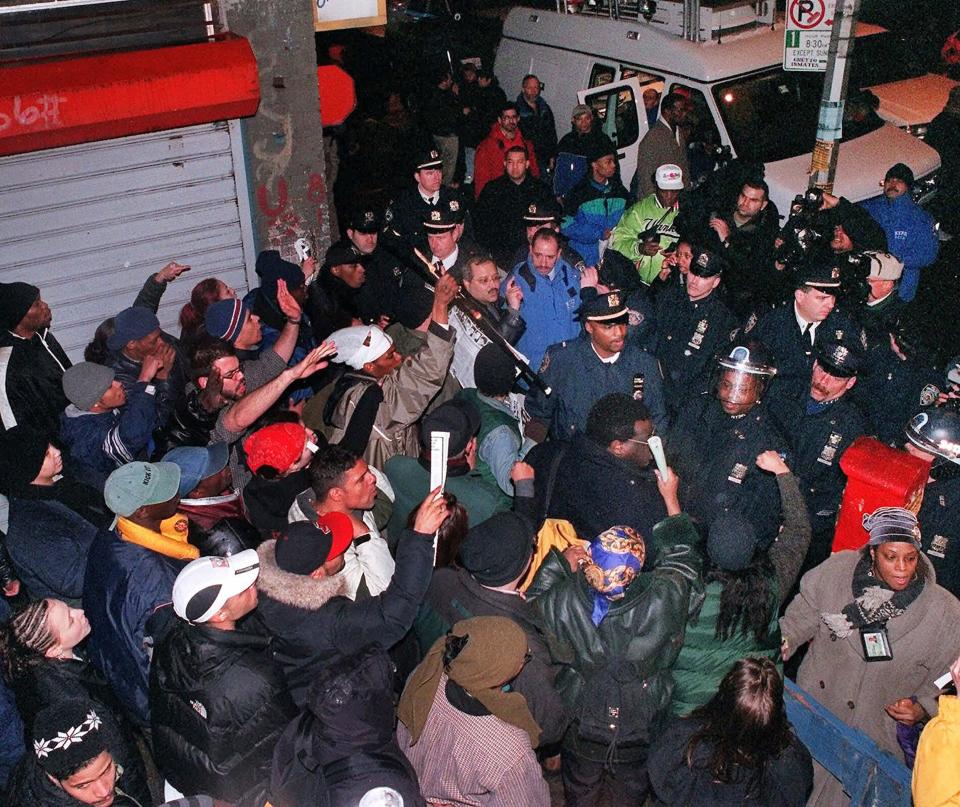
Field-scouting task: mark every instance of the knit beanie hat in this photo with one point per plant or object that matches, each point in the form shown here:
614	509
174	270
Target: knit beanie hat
22	450
902	172
130	325
224	319
731	542
67	735
887	524
494	371
278	446
85	383
498	550
15	301
271	268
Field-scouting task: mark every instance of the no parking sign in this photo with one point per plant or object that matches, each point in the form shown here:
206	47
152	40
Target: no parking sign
807	34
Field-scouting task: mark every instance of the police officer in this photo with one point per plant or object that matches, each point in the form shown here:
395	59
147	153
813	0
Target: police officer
545	213
600	362
444	225
377	297
406	213
819	430
899	381
693	325
716	440
790	331
934	436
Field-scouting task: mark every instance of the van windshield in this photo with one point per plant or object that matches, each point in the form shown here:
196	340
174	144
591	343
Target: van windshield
773	115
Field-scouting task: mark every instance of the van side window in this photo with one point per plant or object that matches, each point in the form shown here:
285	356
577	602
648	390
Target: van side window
616	109
601	74
651	86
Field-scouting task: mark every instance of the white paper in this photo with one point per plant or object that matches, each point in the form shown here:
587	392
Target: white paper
439	453
656	448
943	680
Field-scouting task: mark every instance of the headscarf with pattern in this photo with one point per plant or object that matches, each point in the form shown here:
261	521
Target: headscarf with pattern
616	558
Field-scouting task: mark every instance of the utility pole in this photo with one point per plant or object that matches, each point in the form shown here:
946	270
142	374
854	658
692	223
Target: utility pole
823	162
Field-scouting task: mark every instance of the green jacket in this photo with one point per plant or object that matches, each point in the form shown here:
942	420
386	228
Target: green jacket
639	638
645	214
704	659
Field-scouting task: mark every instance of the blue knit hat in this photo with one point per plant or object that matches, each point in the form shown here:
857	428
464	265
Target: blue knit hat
132	324
271	268
224	319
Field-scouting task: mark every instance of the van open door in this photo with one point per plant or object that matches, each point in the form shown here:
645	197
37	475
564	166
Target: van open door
623	118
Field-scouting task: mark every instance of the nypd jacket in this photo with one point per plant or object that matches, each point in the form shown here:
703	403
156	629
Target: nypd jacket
579	377
218	706
98	443
549	307
590	211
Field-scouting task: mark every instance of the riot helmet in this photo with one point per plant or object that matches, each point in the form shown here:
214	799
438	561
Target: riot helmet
937	432
741	377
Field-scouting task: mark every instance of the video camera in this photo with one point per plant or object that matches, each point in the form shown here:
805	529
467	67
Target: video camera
803	232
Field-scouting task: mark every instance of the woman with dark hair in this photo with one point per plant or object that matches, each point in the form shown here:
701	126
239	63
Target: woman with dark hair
738	748
41	665
745	585
451	532
880	631
97	350
204	294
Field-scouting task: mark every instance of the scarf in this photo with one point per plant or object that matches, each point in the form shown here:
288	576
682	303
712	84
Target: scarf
170	541
493	653
874	601
616	558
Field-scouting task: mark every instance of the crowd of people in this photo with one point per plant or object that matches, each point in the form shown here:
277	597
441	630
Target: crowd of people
238	569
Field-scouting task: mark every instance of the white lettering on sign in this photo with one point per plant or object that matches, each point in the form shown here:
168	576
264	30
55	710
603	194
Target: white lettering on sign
807	34
42	111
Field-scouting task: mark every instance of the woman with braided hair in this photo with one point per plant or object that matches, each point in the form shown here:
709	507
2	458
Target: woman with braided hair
880	631
41	663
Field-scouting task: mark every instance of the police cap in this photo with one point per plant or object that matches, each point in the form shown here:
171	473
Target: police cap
838	355
365	220
444	216
603	307
706	263
429	159
541	213
819	275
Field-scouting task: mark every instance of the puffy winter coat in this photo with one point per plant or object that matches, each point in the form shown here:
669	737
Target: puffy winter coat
491	152
590	211
218	706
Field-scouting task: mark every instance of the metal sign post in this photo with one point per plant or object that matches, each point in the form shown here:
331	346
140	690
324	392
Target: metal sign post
823	161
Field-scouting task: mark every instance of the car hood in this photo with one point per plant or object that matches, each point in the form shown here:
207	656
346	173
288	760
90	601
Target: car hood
860	166
914	100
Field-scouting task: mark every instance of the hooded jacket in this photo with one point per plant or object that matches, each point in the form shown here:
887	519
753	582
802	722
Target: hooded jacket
313	622
218	706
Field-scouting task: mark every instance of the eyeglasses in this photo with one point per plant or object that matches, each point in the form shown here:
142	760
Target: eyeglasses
635	440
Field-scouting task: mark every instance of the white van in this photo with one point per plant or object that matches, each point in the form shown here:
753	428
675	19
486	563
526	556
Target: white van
732	65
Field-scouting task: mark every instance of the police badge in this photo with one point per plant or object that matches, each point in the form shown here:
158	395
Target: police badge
738	473
938	546
638	387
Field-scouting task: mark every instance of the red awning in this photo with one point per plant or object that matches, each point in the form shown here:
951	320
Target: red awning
84	98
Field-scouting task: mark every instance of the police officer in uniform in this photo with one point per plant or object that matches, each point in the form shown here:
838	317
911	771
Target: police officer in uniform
448	251
934	435
583	370
790	331
406	213
716	440
377	297
545	213
693	326
819	430
899	381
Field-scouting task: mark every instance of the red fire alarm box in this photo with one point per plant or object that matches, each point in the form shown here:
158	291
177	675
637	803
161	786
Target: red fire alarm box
877	476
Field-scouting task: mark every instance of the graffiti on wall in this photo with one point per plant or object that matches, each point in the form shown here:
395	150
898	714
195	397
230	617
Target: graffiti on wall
40	111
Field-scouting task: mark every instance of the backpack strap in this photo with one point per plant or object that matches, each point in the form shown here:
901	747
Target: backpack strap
552	480
360	765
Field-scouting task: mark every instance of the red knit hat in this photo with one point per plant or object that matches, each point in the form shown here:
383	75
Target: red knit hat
278	445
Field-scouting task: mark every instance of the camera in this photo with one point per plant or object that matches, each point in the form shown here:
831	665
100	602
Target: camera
802	233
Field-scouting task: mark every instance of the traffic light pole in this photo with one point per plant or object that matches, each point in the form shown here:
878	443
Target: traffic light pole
823	162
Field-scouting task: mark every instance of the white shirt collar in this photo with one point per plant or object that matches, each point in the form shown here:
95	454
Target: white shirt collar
449	261
609	360
802	322
431	199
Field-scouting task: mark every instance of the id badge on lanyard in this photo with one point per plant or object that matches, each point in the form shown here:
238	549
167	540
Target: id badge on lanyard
876	643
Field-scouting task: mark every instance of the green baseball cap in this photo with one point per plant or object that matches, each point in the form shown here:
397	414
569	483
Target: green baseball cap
136	484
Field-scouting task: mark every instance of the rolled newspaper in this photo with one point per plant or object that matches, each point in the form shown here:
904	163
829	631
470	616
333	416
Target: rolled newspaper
656	448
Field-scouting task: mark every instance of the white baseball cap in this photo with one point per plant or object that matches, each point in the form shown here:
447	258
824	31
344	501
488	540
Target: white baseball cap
669	177
205	584
884	266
